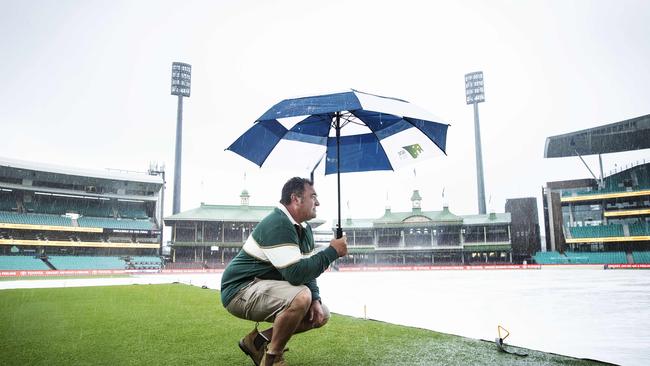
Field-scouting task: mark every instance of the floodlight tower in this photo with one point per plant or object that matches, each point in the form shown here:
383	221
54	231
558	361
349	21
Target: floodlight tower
181	83
475	94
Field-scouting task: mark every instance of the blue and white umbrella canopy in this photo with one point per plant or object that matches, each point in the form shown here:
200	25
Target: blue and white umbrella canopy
376	133
354	131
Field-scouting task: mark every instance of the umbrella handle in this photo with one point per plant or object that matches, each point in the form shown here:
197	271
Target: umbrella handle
339	232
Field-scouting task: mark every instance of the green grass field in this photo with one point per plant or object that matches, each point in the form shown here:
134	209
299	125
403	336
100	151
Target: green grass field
184	325
71	277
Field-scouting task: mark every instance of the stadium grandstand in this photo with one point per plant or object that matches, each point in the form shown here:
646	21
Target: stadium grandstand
211	235
599	220
61	218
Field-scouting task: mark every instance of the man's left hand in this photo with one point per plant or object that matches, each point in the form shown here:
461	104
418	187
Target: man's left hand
316	314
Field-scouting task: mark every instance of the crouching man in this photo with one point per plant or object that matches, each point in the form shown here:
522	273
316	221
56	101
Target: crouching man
273	277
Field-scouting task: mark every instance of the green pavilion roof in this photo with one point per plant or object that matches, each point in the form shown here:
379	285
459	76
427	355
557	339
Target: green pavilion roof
355	223
207	212
491	218
229	213
440	217
418	217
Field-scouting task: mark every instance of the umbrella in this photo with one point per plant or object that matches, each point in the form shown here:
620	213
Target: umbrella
368	132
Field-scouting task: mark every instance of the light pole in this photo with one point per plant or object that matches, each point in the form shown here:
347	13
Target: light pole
181	84
474	94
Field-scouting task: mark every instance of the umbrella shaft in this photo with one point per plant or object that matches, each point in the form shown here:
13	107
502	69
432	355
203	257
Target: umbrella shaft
339	229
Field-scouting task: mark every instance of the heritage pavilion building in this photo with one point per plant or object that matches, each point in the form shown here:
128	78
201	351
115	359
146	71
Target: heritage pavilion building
428	237
209	236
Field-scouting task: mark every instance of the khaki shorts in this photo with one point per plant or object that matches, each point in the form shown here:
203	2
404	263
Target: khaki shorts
263	300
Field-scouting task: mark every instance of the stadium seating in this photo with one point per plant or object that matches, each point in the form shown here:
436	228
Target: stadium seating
63	262
580	258
119	239
127	224
604	190
640	229
97	210
147	240
34	219
641	257
132	212
49	206
146	262
550	258
28	206
60	205
635	178
22	262
600	231
597	257
639	174
7	202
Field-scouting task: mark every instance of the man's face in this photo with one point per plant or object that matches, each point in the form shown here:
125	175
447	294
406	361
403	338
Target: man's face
307	203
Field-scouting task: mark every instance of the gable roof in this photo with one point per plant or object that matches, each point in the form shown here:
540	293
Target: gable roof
207	212
220	213
491	218
443	217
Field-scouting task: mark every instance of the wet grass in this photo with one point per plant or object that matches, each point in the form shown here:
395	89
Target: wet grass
185	325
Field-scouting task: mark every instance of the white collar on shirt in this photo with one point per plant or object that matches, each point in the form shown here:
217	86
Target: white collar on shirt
283	208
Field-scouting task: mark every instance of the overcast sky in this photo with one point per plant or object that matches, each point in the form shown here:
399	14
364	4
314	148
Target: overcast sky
87	84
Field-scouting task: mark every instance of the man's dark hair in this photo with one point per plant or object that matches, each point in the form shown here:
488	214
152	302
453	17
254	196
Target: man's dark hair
295	185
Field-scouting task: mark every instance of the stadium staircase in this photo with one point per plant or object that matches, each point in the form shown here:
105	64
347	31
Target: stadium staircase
47	262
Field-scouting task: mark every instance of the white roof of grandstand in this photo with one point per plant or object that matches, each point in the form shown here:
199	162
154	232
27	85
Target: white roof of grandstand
95	173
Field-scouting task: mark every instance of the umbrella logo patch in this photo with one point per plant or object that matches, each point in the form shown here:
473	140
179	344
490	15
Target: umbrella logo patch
414	150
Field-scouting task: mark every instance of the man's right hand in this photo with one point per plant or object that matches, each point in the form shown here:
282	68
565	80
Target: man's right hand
340	245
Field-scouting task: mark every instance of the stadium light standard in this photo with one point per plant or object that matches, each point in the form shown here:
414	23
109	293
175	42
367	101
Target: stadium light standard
475	94
181	84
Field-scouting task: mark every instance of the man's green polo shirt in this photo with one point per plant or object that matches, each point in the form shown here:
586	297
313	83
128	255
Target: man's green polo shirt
277	249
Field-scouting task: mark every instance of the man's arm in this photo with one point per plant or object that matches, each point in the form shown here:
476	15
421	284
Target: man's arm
289	261
307	269
313	288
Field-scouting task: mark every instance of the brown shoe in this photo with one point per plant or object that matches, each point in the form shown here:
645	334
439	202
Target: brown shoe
252	347
273	360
